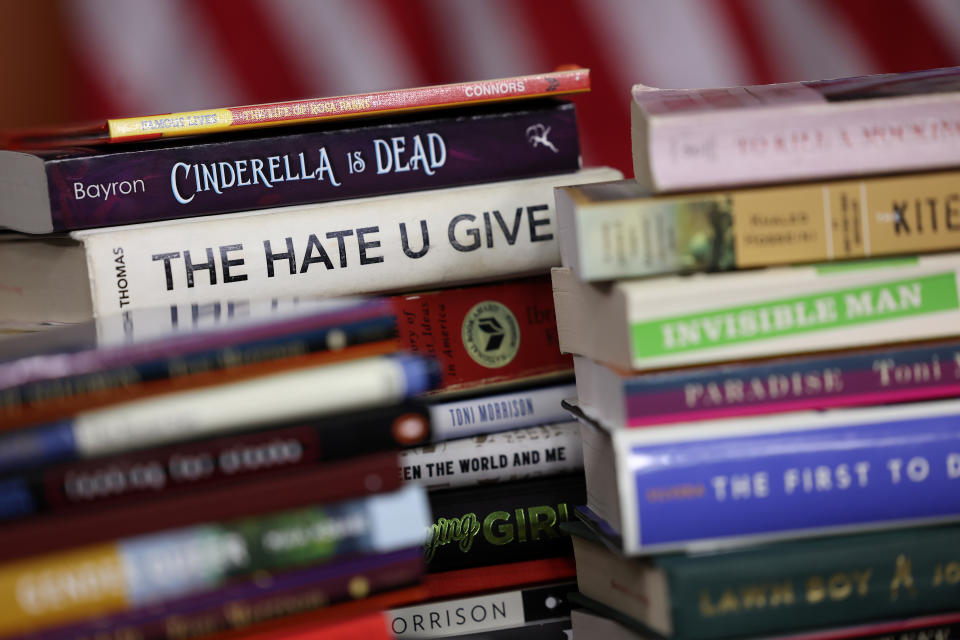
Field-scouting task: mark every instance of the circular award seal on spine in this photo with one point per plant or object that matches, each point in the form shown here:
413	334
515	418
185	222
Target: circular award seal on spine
491	334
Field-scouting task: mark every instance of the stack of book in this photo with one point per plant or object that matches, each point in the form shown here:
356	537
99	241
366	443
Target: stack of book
198	451
770	447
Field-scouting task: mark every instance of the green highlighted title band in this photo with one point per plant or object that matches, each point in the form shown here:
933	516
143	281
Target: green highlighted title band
790	316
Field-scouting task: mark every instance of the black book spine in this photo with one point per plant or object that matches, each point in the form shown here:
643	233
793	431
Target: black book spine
212	461
317	164
508	522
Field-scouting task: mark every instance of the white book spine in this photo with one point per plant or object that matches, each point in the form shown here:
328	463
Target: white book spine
812	141
369	245
499	412
501	457
240	405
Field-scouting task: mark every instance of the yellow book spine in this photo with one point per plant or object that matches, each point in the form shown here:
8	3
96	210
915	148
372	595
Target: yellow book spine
60	588
883	216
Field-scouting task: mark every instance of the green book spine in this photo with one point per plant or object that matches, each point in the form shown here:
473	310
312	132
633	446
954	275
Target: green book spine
814	583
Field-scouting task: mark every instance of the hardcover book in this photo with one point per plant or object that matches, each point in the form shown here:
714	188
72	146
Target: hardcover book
644	324
729	482
898	373
617	229
367	245
687	139
774	589
55	191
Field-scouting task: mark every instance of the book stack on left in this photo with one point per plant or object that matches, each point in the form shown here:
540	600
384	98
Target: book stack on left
766	325
212	443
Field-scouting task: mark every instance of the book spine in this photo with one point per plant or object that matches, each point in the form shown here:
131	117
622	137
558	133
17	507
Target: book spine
246	603
409	241
482	613
485	335
226	408
805	478
139	571
838	581
937	626
500	457
791	145
877	377
162	471
295	488
499	523
55	397
491	413
828	312
814	222
448	584
320	109
317	166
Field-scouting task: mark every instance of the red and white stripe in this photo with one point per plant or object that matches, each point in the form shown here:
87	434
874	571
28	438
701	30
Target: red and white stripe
142	56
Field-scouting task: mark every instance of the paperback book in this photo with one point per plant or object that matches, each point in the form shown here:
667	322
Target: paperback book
687	139
139	571
403	242
506	456
561	81
644	324
55	191
482	613
290	489
500	523
735	481
241	604
898	373
484	412
196	464
617	229
773	589
304	392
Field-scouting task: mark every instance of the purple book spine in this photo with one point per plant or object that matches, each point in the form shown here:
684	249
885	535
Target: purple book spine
246	603
898	374
162	182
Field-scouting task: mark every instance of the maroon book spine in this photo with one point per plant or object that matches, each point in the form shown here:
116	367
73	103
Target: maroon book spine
336	481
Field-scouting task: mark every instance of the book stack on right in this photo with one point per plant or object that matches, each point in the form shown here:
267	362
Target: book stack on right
765	335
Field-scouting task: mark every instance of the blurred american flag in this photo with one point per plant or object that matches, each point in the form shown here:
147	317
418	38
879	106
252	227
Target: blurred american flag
132	57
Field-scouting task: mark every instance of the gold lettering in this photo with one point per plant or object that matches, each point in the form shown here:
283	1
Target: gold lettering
728	602
816	591
949	574
707	609
753	597
862	578
781	594
902	578
839	586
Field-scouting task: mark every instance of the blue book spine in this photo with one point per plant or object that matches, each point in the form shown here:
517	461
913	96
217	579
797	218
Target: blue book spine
798	482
